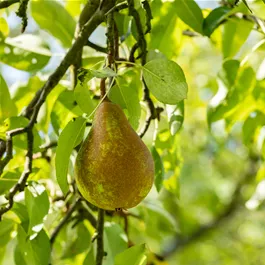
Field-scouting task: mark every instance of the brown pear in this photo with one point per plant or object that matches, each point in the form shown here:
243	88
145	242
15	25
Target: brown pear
114	168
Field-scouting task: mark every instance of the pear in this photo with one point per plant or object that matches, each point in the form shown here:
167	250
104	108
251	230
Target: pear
114	169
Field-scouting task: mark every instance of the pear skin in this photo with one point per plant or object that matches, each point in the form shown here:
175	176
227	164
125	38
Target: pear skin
114	168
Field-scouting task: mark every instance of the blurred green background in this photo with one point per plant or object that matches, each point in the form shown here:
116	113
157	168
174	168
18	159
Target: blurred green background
210	209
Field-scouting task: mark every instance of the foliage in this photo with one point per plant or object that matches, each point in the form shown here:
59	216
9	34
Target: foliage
189	77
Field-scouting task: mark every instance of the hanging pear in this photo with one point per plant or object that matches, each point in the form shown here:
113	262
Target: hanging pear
114	168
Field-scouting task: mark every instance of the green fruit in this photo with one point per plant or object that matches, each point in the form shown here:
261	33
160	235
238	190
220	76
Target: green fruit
114	169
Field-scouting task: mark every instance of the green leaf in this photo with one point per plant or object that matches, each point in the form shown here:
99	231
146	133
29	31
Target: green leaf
132	102
236	32
22	213
246	4
168	144
74	7
251	127
190	13
36	251
77	244
25	52
113	233
166	33
159	169
8	180
103	73
90	58
122	22
83	99
23	93
214	19
228	73
132	256
7	106
4	29
18	257
166	81
6	227
54	18
90	257
238	103
51	100
64	110
154	54
37	203
116	96
155	217
68	139
175	117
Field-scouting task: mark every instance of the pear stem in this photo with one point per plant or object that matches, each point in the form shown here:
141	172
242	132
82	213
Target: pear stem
102	87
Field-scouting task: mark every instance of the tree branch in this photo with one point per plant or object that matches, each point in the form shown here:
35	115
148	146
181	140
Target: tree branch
110	38
100	242
7	3
2	148
80	41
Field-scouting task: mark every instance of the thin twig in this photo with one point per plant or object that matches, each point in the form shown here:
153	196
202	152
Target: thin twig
83	214
96	47
118	7
64	221
22	13
190	33
50	145
149	16
100	241
132	52
7	3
